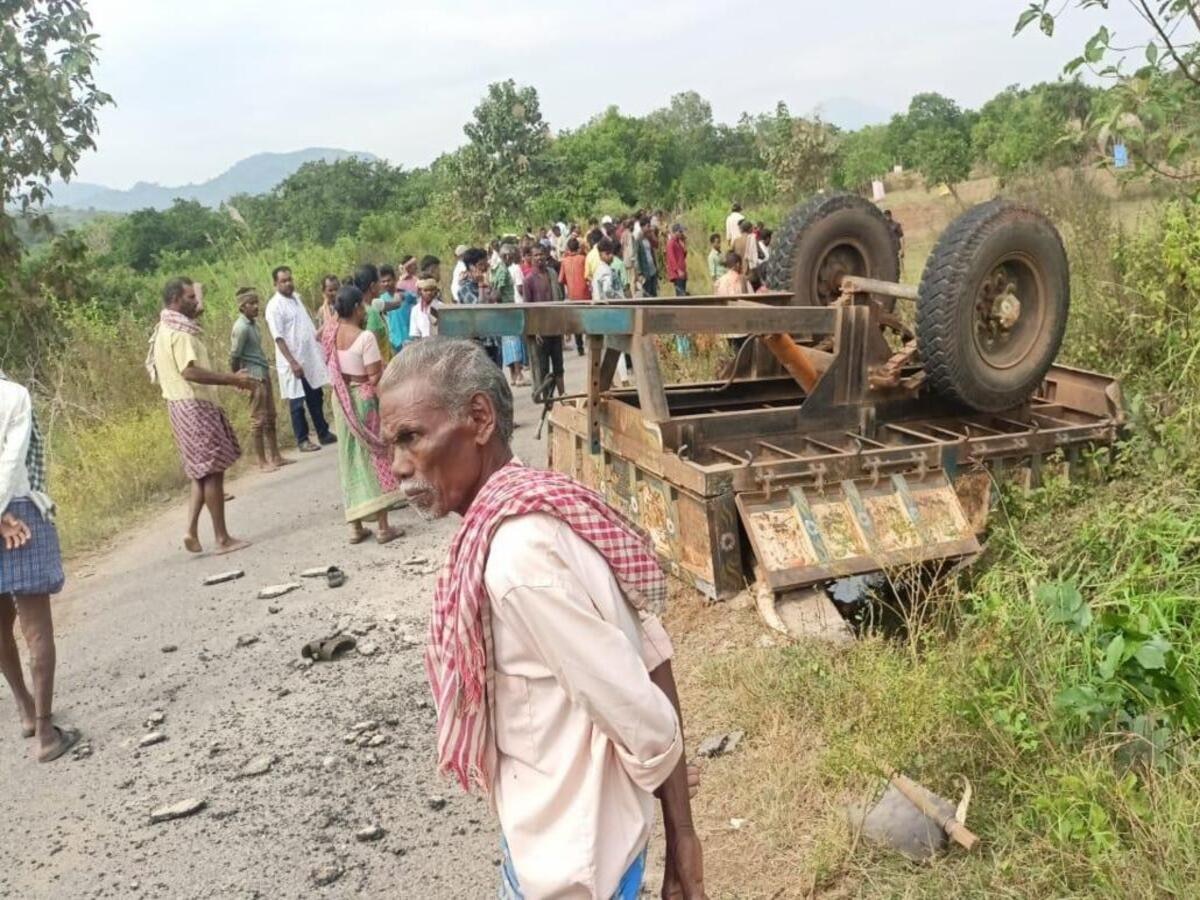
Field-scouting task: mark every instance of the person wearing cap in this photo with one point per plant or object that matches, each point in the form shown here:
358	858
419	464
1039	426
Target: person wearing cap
460	272
246	355
677	259
420	323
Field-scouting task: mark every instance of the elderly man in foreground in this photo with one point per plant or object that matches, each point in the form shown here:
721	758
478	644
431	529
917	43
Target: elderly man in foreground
550	671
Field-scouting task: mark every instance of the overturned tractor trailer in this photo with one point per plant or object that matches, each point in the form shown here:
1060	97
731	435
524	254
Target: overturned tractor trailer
848	435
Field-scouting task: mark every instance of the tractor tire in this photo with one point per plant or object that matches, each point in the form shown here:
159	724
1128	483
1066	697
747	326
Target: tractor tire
829	236
979	347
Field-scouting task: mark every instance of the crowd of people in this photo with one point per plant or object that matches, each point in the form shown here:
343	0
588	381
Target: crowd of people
569	595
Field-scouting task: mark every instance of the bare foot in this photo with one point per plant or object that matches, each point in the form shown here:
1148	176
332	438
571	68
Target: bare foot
282	461
359	534
267	467
230	545
192	543
389	535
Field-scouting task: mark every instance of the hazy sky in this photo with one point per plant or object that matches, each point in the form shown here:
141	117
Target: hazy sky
201	85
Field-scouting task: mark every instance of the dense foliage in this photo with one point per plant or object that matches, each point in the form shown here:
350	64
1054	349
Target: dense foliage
48	105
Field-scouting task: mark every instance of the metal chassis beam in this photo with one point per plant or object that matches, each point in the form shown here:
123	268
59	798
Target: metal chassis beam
630	328
495	320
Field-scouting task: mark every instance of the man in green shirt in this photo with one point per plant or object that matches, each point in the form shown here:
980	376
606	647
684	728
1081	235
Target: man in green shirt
246	355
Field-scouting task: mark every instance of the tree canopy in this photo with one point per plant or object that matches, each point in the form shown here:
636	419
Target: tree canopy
48	100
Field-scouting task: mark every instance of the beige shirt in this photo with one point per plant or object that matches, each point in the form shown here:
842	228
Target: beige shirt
174	351
584	737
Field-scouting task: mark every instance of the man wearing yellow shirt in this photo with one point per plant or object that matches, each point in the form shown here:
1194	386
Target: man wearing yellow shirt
204	436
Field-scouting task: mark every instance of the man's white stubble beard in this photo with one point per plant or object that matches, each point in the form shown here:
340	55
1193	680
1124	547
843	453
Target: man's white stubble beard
417	491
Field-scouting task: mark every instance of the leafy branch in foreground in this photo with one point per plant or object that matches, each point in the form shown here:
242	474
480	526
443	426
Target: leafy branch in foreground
1154	103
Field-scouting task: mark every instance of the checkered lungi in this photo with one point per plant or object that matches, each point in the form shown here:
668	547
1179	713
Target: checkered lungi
204	436
35	567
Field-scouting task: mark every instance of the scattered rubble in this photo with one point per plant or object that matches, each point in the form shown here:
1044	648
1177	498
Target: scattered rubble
720	744
326	875
271	591
222	577
259	765
180	810
370	833
154	737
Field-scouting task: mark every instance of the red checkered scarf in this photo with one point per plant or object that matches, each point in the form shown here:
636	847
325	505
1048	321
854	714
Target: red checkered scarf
458	657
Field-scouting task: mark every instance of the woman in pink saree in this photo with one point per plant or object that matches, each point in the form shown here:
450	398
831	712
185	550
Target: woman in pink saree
369	488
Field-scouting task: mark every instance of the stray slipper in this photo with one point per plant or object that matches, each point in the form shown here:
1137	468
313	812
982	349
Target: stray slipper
336	577
67	738
328	649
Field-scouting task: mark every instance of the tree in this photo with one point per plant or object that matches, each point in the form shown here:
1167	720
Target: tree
48	98
322	200
188	229
504	164
689	122
933	137
863	156
1152	106
800	153
48	105
630	160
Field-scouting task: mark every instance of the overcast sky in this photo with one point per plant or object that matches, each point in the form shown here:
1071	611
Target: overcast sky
199	86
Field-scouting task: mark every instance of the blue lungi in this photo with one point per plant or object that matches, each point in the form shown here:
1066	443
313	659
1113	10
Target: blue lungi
512	349
36	567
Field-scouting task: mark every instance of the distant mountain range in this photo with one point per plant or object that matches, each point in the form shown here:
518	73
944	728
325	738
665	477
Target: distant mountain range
254	175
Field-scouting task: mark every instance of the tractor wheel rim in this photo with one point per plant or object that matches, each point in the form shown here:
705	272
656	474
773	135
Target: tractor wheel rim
1005	334
847	257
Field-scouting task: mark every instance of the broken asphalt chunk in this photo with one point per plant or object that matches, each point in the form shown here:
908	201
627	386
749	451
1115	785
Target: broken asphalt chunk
271	591
179	810
222	577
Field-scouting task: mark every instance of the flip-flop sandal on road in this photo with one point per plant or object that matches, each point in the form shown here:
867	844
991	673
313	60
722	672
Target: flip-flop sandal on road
67	738
328	649
359	536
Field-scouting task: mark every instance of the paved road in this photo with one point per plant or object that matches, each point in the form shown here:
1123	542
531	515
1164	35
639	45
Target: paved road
81	827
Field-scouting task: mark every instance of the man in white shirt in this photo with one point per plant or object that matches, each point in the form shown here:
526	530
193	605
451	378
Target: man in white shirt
603	287
298	360
733	223
420	323
549	667
459	273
